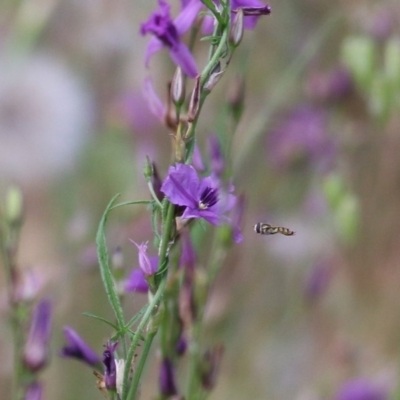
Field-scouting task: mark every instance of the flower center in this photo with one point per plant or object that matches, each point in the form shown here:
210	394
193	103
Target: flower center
208	198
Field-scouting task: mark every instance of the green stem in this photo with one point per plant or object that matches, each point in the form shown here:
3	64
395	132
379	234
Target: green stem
139	368
136	338
219	51
192	377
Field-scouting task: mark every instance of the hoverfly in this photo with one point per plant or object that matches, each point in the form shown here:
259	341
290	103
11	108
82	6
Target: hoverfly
267	229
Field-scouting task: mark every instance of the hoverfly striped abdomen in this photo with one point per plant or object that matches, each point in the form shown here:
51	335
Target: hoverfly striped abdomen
267	229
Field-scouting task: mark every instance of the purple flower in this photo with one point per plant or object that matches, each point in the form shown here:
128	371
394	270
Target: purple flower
110	367
155	104
217	158
167	378
148	265
36	349
202	197
167	34
34	391
252	10
137	280
78	348
361	389
302	137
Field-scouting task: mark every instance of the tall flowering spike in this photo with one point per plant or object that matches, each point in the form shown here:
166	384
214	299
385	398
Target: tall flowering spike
36	349
361	389
167	378
167	34
78	348
34	392
110	367
200	196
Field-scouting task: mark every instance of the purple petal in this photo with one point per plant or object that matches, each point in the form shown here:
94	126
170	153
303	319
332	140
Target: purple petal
136	282
209	215
78	348
147	264
155	104
184	21
182	189
154	45
182	57
36	349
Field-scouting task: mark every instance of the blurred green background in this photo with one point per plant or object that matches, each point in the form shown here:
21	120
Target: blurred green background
317	151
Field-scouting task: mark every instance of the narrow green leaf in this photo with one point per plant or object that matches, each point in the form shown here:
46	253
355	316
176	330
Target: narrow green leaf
105	270
87	314
128	203
135	318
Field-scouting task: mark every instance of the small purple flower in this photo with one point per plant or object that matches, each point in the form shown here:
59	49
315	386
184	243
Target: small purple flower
110	367
361	389
167	378
303	137
78	348
36	349
147	264
167	34
252	10
202	197
34	392
154	102
137	280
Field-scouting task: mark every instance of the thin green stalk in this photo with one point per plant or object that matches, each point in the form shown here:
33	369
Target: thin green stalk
105	270
140	365
146	318
192	378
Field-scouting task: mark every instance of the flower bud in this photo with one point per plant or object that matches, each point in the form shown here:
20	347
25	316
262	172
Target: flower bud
78	348
14	206
148	169
359	54
214	78
167	378
34	391
194	105
110	367
178	88
235	96
237	29
210	366
256	11
36	349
